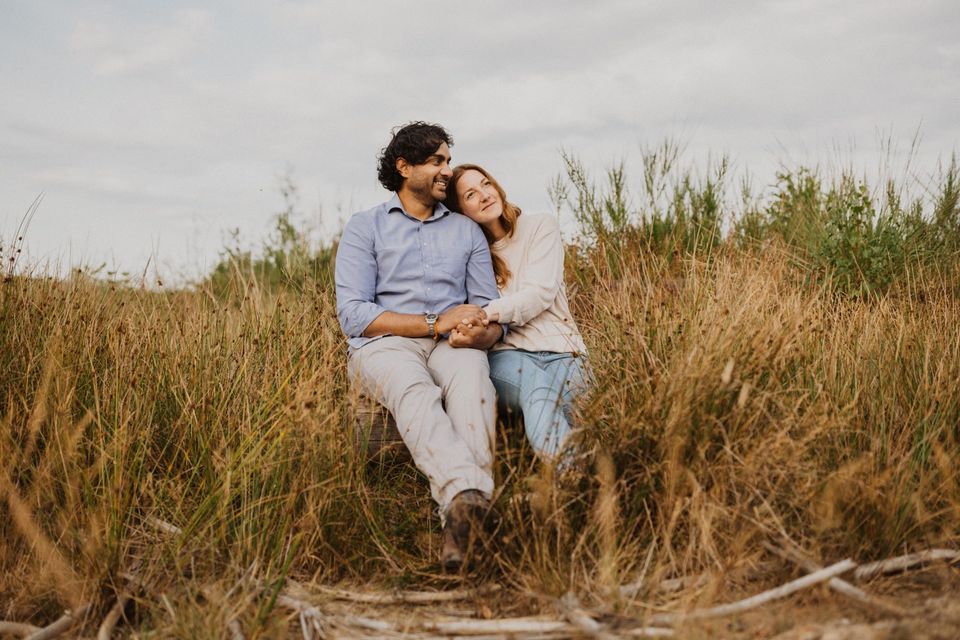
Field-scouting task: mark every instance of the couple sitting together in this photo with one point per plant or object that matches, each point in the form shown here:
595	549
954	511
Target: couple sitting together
453	303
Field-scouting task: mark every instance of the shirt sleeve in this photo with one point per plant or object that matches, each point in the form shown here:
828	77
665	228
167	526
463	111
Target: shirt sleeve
539	276
481	283
355	274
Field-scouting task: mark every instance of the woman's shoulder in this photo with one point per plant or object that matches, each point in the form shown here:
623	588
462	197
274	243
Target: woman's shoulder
537	223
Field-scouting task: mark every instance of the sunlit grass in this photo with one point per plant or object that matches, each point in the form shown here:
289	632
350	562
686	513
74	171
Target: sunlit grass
736	398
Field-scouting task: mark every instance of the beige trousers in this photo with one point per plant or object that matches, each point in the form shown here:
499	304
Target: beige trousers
444	404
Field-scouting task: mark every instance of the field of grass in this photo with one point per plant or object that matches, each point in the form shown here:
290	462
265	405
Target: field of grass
784	368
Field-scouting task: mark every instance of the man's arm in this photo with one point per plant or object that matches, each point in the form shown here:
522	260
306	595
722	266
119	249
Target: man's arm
355	274
414	325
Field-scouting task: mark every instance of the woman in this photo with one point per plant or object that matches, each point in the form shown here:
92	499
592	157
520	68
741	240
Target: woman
540	367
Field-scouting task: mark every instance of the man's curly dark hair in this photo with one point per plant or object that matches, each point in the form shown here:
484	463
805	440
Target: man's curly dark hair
414	142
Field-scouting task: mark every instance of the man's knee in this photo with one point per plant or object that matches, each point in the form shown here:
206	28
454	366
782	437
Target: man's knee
471	371
414	392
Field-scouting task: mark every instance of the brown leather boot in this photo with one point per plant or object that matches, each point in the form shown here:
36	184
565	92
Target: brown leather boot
468	516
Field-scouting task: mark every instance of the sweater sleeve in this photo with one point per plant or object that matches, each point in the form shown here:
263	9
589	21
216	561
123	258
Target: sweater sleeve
539	275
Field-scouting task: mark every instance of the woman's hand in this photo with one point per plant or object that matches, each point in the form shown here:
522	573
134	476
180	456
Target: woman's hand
464	314
475	336
488	317
465	335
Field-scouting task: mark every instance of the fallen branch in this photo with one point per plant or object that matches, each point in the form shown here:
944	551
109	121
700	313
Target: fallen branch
161	525
588	626
646	632
761	598
113	616
405	597
307	612
17	628
670	585
62	623
902	563
579	618
504	625
840	586
236	632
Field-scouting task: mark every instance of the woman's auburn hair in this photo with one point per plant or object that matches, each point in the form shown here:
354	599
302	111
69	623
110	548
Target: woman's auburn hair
508	218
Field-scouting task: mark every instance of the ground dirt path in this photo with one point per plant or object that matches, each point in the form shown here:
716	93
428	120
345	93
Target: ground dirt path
929	598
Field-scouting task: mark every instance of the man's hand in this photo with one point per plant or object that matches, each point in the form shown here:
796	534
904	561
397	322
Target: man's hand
475	336
464	314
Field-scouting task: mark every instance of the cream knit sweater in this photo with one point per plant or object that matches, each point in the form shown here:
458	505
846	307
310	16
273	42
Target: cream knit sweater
534	300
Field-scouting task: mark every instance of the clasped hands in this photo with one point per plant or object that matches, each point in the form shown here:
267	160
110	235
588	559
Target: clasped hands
466	324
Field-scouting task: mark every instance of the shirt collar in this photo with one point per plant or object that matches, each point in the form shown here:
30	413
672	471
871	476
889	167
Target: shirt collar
439	210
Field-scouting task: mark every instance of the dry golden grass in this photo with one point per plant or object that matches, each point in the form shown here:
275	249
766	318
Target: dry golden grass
734	403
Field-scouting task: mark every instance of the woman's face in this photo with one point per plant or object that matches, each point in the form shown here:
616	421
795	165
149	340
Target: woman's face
478	199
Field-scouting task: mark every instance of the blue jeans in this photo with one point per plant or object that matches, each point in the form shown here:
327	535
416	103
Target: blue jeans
541	385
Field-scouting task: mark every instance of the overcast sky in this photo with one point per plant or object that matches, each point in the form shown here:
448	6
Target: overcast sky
153	128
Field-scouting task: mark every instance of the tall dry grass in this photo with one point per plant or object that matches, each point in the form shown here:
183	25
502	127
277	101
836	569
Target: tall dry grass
736	400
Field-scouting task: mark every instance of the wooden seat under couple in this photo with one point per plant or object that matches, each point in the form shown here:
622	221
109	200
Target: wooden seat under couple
375	432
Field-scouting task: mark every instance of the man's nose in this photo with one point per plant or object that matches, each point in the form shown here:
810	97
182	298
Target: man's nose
446	171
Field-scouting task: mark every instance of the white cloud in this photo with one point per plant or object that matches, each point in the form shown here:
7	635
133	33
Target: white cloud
158	114
119	47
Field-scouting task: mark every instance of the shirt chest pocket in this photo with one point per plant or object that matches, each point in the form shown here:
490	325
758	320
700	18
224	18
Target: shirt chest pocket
450	265
399	265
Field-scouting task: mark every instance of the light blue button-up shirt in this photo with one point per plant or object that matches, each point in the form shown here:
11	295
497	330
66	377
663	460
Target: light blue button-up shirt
390	261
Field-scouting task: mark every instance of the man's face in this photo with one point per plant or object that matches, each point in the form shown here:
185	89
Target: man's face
428	181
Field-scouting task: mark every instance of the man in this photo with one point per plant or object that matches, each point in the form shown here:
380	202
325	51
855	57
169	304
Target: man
411	279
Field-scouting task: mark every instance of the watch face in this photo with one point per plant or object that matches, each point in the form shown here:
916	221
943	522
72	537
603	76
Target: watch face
432	317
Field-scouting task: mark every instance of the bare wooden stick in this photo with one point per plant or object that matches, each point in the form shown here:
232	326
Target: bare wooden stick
57	627
761	598
553	635
370	624
113	616
503	625
17	628
646	632
669	585
902	563
843	587
405	597
579	618
162	525
236	632
305	609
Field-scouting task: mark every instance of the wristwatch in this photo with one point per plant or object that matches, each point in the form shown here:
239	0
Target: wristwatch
432	324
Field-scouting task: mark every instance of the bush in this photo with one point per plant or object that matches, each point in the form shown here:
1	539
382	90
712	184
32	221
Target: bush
287	259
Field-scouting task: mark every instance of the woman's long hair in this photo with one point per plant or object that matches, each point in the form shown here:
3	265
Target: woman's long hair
508	218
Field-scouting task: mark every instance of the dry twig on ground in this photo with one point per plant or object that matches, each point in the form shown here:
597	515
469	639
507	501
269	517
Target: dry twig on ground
17	628
406	597
113	616
840	586
903	563
59	626
759	599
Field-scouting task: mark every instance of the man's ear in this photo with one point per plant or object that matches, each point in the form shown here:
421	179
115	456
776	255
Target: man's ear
403	167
